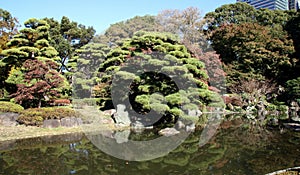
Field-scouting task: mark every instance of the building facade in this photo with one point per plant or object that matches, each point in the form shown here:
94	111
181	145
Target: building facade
269	4
294	4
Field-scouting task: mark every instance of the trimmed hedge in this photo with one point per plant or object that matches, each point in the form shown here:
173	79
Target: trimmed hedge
36	116
10	107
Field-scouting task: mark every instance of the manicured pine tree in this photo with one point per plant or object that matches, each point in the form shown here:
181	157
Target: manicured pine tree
32	64
156	53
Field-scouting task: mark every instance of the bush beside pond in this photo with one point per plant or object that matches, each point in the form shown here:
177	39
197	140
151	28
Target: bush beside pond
10	107
36	116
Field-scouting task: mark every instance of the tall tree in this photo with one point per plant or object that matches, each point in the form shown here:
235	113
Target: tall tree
88	57
8	28
66	37
156	54
31	44
33	41
236	13
188	24
293	29
252	43
249	49
126	29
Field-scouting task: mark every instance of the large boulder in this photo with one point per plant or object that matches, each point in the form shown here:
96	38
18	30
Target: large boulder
70	122
51	123
64	122
9	119
121	117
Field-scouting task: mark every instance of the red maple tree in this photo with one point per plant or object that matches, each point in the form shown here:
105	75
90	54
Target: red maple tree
41	80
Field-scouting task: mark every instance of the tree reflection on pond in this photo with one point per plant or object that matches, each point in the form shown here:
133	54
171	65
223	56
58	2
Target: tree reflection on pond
238	147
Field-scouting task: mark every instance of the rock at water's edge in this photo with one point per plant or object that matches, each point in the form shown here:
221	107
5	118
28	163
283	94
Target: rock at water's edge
168	132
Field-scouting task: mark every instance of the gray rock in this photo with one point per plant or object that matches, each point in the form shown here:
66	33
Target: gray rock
51	123
194	113
9	119
168	132
107	133
122	136
121	116
190	128
137	127
70	122
180	125
79	121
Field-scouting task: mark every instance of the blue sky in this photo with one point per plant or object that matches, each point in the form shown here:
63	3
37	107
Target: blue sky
100	13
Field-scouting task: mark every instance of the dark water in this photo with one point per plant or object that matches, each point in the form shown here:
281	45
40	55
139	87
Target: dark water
238	147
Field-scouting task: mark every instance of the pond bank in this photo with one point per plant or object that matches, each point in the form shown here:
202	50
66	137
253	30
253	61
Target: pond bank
21	132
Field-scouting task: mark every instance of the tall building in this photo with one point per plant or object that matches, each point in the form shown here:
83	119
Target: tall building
294	4
269	4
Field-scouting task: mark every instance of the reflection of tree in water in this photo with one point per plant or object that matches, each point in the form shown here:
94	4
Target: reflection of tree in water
248	132
237	148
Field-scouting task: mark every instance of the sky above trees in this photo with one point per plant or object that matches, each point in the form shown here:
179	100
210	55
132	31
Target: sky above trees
100	14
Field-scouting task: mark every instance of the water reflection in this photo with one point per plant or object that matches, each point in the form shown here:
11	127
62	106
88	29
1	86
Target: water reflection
238	147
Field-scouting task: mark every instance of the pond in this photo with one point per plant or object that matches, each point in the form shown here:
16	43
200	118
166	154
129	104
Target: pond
237	147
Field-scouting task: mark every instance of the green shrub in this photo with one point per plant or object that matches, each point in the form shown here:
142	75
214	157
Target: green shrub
10	107
36	116
78	103
282	108
293	88
271	107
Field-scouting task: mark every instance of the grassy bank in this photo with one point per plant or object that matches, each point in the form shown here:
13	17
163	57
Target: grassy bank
22	132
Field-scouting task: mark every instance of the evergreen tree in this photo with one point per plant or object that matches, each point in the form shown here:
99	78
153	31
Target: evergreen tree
66	37
252	43
159	57
31	45
126	29
88	57
8	28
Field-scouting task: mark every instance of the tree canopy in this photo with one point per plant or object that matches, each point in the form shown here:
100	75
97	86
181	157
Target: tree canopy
88	57
159	57
126	29
252	43
31	63
67	36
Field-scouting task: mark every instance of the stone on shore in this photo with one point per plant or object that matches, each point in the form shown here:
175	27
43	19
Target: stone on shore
71	122
168	132
9	119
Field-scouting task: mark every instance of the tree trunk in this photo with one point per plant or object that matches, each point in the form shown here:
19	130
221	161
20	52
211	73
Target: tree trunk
40	103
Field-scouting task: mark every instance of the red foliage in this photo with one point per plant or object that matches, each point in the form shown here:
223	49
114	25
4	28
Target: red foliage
214	89
214	69
61	102
40	79
236	101
213	64
132	49
147	51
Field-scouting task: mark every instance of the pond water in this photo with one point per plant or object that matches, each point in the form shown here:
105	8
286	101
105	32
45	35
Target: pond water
238	147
